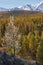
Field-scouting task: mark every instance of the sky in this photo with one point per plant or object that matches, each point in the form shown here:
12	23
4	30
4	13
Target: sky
16	3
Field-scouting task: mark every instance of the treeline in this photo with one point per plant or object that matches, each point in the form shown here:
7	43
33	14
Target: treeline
31	30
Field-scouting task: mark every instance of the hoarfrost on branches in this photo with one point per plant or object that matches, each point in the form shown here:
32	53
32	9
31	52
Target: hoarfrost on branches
12	36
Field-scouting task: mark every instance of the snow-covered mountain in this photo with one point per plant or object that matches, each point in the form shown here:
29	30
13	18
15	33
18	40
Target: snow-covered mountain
39	7
3	9
26	7
16	8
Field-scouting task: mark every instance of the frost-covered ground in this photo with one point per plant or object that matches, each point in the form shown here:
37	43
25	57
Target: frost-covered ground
6	59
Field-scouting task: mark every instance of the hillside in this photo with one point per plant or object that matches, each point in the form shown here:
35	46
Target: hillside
18	13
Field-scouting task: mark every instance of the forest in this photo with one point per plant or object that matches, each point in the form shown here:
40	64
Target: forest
23	36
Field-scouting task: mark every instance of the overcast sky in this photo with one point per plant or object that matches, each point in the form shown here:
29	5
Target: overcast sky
16	3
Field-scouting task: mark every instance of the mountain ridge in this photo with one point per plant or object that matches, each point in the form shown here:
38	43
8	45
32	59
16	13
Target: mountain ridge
38	7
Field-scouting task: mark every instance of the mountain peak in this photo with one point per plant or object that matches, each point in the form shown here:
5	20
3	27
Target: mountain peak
39	7
25	7
41	3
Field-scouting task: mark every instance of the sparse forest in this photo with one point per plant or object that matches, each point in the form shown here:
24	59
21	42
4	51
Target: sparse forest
23	36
